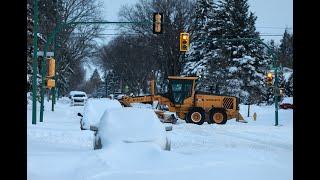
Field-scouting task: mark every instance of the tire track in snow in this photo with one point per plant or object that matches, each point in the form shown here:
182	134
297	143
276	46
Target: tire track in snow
258	142
190	139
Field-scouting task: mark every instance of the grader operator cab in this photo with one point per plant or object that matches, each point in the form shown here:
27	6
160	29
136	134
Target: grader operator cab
189	105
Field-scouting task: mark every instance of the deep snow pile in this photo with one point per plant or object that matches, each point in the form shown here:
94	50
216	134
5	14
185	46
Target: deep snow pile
58	149
94	109
130	125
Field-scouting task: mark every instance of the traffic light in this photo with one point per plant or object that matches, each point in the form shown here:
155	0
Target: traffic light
184	42
269	78
51	83
51	68
157	23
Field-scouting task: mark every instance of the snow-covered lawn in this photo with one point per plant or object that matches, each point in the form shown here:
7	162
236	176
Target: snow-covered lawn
58	149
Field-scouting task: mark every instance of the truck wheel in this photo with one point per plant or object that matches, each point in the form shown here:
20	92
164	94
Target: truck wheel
196	116
218	116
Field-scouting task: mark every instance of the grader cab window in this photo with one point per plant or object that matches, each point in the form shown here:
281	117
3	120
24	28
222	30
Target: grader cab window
181	89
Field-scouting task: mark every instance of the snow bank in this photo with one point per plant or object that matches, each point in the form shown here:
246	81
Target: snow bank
64	100
95	108
288	100
130	125
58	149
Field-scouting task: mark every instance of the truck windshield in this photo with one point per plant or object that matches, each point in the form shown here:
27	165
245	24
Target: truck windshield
79	95
181	89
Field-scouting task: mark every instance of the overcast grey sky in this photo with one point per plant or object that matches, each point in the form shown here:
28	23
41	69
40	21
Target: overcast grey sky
273	17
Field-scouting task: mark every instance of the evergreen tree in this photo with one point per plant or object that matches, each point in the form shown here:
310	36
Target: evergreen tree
95	79
289	87
93	84
199	28
286	50
245	61
196	64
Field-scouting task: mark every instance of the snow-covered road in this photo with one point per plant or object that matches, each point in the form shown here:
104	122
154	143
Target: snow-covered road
58	149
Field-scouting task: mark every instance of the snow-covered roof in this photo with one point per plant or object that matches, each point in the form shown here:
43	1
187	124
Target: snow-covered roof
77	92
130	124
95	108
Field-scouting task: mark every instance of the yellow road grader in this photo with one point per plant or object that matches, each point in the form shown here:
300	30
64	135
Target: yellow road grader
190	105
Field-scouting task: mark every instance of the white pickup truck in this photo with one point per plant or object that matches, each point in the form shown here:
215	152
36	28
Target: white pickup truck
78	98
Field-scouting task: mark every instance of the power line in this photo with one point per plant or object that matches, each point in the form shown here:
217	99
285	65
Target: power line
115	34
272	35
264	27
274	27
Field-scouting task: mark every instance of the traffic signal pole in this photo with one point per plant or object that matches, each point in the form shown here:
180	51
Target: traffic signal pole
53	90
44	65
35	63
276	94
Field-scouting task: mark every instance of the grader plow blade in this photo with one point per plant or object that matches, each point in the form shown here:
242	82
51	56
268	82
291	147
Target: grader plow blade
166	118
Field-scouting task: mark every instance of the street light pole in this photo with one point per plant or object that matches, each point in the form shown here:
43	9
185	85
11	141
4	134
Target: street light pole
35	63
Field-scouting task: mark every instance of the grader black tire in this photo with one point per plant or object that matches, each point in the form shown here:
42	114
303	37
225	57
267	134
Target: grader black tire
196	116
218	116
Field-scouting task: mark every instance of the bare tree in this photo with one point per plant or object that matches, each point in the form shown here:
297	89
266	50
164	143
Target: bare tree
76	44
176	15
131	61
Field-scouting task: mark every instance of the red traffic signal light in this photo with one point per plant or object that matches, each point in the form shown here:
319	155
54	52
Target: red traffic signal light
157	23
184	42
